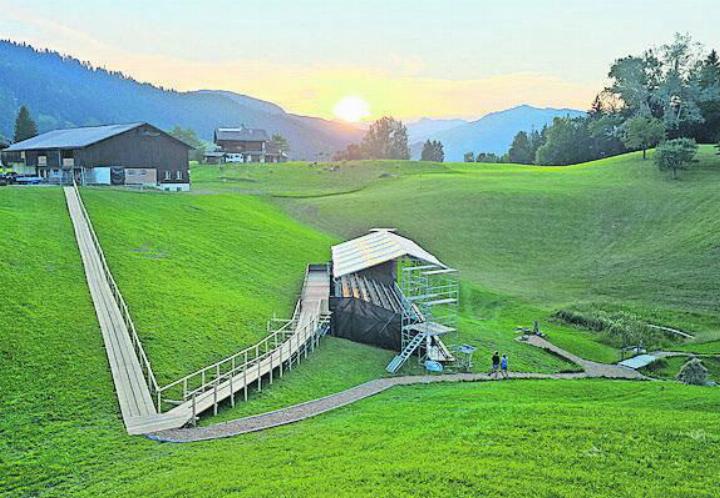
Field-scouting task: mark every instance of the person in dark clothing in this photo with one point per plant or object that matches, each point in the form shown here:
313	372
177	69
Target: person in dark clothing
495	364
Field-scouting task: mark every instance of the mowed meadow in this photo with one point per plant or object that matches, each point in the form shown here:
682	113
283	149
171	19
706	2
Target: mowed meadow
202	272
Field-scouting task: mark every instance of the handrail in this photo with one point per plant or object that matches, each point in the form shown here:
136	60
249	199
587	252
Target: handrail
119	300
304	334
211	375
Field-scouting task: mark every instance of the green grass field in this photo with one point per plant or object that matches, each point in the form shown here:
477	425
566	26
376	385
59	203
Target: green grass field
202	273
609	235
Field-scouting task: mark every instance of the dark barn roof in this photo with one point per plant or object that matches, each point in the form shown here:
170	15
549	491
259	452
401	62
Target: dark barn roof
78	138
241	134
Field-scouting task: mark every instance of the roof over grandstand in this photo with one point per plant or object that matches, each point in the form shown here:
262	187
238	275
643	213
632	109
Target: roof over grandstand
377	247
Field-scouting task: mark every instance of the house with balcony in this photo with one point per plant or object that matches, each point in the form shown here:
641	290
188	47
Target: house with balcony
244	145
124	154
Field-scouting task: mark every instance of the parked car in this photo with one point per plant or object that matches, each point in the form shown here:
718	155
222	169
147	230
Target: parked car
28	180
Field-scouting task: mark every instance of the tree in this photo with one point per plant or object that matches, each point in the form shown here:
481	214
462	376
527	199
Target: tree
433	151
605	136
189	136
353	152
709	82
643	132
25	127
281	142
386	139
675	155
469	157
568	142
521	150
487	157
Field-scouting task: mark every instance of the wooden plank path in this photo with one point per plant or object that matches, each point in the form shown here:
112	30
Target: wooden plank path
138	405
325	404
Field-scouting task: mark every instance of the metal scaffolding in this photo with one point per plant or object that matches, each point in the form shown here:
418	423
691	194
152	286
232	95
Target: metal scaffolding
431	296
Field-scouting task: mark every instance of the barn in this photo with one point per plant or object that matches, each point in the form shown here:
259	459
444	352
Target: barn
136	154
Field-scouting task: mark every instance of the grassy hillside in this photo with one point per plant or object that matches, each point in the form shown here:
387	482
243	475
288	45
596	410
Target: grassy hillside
201	259
202	274
612	235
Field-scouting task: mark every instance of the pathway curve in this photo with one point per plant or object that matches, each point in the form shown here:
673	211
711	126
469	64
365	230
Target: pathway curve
315	407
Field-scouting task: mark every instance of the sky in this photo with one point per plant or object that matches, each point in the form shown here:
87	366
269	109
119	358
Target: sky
409	59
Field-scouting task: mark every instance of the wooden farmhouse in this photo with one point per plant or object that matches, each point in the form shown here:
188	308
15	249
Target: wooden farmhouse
244	145
137	154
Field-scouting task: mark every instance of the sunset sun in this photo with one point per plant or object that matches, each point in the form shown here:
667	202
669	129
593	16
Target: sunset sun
351	109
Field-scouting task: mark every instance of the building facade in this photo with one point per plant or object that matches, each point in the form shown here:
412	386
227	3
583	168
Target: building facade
137	154
244	145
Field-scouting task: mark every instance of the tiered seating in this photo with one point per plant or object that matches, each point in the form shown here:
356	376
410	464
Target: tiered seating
372	291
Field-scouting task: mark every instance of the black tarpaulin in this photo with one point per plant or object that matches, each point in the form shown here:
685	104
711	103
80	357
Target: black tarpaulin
361	321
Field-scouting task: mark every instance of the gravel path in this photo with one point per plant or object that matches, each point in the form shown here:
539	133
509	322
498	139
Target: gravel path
315	407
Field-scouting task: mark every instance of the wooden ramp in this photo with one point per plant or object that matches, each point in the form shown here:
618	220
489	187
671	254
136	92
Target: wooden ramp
309	324
140	398
131	388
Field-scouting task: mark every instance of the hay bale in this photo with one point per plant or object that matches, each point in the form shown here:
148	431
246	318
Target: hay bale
693	372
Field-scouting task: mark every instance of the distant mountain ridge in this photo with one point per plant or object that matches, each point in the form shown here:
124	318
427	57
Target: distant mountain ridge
493	132
63	92
424	128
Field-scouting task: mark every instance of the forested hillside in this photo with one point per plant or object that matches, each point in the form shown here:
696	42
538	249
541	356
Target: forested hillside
63	92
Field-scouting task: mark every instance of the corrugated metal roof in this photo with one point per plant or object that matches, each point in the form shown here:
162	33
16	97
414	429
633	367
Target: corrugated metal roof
375	248
241	134
72	138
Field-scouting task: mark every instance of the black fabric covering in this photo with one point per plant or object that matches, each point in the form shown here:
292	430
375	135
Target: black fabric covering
364	322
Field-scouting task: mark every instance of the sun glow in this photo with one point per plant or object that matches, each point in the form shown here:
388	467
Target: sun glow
351	109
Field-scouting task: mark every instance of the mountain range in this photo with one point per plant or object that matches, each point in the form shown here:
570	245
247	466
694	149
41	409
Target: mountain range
62	92
493	132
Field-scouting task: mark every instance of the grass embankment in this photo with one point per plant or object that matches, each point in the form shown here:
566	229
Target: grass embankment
61	433
202	274
612	235
668	368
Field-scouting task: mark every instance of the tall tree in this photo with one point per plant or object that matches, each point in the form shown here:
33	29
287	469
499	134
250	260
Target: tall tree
521	150
25	127
709	83
675	155
641	133
433	151
386	139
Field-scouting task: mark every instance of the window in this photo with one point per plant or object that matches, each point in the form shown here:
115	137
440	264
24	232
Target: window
42	160
167	174
178	175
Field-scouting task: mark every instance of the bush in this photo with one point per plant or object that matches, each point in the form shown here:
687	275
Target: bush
675	155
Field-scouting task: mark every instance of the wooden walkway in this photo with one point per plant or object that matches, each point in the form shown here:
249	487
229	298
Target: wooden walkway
325	404
133	395
138	405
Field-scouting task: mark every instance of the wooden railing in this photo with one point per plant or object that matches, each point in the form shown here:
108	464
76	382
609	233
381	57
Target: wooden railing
120	301
210	378
261	360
